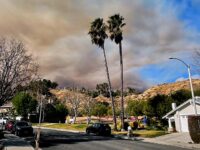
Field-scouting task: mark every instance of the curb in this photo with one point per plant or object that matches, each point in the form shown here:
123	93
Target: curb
128	138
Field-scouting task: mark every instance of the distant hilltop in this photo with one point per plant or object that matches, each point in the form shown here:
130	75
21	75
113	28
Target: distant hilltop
163	89
166	89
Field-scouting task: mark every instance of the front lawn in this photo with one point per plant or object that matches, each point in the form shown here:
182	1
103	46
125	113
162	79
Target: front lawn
82	127
76	127
143	133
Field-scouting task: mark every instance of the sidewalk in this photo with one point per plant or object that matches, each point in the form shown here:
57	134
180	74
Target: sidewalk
174	139
13	142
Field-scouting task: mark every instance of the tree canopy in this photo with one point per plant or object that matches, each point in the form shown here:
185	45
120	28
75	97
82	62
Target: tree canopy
17	68
24	104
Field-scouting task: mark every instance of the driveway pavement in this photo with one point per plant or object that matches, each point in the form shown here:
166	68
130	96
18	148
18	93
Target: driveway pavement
175	139
12	142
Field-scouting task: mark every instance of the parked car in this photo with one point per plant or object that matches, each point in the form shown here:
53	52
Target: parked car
3	120
22	128
99	129
9	125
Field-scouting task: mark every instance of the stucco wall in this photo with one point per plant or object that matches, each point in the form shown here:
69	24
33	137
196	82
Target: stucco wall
187	110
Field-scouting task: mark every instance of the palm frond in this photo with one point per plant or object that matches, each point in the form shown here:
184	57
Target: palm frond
115	24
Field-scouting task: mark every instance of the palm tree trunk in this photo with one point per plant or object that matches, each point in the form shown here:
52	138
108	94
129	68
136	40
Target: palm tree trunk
110	91
122	86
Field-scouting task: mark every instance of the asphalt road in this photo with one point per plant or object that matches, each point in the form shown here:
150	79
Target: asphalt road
62	140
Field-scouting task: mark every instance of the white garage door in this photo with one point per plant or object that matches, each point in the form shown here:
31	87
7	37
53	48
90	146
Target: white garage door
184	123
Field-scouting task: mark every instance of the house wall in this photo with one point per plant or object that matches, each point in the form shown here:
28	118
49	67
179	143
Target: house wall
189	110
184	112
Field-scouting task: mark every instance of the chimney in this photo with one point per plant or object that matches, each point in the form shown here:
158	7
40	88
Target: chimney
173	106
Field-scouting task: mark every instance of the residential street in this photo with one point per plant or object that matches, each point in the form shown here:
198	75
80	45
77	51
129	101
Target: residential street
62	140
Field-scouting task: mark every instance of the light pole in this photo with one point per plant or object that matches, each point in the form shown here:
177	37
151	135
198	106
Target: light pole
41	98
191	87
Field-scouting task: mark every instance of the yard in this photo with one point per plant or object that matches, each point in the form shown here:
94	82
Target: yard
81	128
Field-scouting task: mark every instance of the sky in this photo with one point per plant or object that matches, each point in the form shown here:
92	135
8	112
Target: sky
56	34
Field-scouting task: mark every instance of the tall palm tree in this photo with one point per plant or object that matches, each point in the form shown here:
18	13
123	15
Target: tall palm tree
115	24
98	35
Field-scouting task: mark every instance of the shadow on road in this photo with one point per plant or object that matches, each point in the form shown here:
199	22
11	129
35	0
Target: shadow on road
53	138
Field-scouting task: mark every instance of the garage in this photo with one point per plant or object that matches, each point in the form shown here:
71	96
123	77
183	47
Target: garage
184	123
180	115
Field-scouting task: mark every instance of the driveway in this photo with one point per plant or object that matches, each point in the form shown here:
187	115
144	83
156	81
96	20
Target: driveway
175	139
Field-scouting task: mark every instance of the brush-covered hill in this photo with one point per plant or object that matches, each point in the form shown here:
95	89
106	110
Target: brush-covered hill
166	89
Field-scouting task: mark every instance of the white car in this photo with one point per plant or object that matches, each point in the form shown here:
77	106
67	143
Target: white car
3	120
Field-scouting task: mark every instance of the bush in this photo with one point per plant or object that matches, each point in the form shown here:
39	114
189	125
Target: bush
194	128
134	125
126	124
24	104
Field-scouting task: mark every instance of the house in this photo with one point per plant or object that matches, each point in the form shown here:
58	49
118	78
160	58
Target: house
6	108
178	116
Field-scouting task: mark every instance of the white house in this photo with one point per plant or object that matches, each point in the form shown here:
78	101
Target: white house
178	116
6	108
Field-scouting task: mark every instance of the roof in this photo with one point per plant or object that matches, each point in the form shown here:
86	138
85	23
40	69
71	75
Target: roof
197	101
7	105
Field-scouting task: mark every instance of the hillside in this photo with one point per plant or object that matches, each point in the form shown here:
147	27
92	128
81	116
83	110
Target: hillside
166	89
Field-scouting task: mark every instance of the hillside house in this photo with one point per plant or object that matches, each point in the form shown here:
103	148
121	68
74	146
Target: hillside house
178	116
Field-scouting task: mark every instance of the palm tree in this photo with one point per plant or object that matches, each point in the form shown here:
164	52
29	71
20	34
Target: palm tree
115	24
98	35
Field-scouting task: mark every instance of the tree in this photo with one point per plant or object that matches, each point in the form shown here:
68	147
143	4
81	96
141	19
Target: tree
61	111
88	104
158	106
74	99
98	35
103	89
16	68
115	24
41	87
100	109
180	96
135	107
131	90
24	104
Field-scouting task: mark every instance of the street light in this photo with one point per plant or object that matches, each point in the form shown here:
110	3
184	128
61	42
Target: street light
189	75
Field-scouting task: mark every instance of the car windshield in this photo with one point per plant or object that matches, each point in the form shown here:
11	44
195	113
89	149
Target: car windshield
22	124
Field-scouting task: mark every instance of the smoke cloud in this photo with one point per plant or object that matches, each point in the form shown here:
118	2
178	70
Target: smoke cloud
55	32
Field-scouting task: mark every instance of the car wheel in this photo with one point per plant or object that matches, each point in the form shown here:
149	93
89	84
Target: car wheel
87	132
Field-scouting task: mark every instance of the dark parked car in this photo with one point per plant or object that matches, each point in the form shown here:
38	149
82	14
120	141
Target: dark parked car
9	125
22	128
99	129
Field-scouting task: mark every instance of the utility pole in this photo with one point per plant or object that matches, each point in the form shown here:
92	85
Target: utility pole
39	125
191	87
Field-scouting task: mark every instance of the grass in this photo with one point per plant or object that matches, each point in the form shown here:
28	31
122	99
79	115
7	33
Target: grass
143	133
149	133
82	127
77	127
